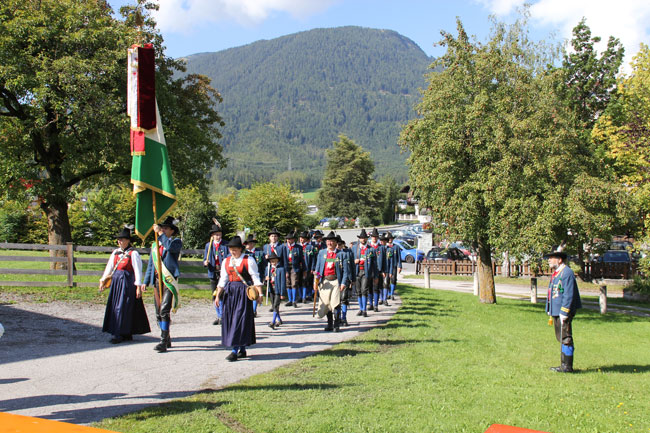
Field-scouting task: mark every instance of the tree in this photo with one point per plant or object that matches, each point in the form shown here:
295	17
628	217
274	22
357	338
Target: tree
492	152
390	194
195	212
264	206
348	188
624	132
63	96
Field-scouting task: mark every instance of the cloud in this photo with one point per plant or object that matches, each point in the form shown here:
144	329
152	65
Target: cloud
183	16
627	20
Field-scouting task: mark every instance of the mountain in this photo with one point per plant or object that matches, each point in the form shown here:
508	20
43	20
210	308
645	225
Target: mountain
287	99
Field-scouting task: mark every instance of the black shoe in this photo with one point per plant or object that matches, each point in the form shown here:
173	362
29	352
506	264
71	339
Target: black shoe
288	304
295	305
328	328
161	347
344	322
381	302
254	313
562	369
280	322
337	329
165	342
386	304
392	298
169	343
360	313
370	308
217	321
231	357
127	337
271	325
242	354
116	340
376	308
271	310
365	314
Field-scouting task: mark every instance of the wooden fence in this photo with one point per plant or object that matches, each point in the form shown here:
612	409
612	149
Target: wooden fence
69	262
590	271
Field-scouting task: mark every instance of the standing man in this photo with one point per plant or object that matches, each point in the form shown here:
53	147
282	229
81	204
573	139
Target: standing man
309	256
274	246
394	261
380	265
332	274
293	268
384	274
213	256
258	255
169	249
562	303
348	261
364	259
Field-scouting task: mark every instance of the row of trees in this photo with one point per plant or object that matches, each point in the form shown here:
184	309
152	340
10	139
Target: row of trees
517	154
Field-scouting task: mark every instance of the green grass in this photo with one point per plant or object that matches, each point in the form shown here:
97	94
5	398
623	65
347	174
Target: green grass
444	363
311	196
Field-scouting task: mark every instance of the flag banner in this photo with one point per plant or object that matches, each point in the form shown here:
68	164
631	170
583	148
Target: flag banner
151	173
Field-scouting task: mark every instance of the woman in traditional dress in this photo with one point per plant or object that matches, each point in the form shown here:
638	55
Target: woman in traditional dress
125	314
238	322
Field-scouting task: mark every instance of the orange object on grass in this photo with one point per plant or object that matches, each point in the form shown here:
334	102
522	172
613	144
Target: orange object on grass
500	428
10	423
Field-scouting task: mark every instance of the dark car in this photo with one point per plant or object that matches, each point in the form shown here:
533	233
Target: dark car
614	256
451	253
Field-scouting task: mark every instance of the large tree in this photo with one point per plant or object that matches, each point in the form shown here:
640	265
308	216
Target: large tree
348	188
492	152
63	116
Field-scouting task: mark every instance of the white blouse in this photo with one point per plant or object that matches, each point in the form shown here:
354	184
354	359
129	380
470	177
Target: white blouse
136	262
252	270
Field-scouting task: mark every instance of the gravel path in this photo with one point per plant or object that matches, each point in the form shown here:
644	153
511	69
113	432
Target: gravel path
55	362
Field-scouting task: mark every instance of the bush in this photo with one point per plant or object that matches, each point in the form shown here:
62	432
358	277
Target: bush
639	285
334	223
13	223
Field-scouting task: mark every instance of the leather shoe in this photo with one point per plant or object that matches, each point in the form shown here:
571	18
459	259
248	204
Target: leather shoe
271	325
360	313
328	328
295	305
231	357
116	340
386	304
288	304
370	308
365	314
242	354
344	322
381	302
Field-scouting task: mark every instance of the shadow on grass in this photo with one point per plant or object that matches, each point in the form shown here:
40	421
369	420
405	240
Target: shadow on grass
586	314
621	368
283	387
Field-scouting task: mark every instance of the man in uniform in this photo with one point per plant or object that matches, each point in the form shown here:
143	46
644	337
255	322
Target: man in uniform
258	255
364	259
394	261
169	250
330	275
562	303
213	256
384	274
348	261
380	265
309	256
293	268
276	247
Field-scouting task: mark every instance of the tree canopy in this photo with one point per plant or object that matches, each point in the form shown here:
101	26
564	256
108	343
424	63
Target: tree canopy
63	120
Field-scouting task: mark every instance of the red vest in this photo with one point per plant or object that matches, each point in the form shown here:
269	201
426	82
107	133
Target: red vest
330	267
242	269
123	263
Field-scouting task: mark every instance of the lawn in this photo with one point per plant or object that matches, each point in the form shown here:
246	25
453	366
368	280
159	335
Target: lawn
444	363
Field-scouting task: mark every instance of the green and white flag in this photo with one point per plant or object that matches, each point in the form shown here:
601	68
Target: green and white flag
151	173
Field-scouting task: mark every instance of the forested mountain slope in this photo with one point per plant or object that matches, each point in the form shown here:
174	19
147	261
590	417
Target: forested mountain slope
290	98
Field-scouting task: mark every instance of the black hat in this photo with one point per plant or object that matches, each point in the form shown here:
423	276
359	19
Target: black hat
384	237
331	236
389	235
375	233
171	223
290	235
560	254
339	240
250	238
274	231
235	242
273	256
124	234
318	234
304	234
215	228
363	234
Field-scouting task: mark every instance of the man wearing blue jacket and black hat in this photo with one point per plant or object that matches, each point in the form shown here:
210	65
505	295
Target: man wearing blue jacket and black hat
562	303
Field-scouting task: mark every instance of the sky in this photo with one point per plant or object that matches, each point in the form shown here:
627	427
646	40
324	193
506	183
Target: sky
194	26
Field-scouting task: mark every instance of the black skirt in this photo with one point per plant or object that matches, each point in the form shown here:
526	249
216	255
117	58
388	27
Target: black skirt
238	320
125	314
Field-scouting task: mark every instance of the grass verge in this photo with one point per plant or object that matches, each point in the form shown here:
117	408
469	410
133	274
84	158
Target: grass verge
444	363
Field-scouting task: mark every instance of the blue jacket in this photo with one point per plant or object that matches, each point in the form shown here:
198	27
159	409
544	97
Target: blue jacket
309	256
393	258
171	251
340	266
211	255
563	296
348	260
369	265
296	257
279	250
258	255
280	285
380	261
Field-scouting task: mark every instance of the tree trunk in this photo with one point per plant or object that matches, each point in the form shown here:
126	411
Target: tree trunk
487	293
58	228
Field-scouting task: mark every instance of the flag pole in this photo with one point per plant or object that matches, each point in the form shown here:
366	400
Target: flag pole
158	264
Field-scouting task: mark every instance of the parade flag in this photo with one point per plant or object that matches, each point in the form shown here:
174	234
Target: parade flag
151	173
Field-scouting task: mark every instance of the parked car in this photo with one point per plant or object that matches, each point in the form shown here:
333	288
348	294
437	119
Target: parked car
614	256
410	254
451	253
